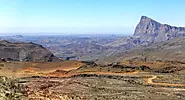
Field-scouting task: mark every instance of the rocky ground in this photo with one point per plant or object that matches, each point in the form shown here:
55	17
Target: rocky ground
104	87
73	80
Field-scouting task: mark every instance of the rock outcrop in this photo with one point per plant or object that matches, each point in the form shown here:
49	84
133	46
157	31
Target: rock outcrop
25	52
149	30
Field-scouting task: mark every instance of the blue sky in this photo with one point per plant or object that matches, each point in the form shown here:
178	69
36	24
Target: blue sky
85	16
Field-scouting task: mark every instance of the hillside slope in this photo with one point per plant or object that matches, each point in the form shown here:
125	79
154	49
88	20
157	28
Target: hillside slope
171	50
25	52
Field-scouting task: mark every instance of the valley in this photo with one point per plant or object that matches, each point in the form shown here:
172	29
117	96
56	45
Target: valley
146	66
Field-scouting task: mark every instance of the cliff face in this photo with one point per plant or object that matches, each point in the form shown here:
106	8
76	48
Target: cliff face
149	33
149	30
25	52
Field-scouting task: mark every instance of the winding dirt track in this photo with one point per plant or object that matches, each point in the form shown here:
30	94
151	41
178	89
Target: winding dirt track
148	80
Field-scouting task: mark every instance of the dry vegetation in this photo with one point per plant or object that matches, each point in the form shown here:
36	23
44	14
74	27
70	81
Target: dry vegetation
73	80
11	89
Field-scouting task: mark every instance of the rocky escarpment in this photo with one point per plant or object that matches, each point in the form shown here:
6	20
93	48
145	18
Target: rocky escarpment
149	30
148	34
25	52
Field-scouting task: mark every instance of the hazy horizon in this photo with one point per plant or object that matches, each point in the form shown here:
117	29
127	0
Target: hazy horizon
85	16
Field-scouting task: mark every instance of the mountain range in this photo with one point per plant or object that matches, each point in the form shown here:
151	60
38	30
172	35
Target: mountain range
147	33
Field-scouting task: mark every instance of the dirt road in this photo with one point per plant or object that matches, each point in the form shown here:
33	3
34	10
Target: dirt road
148	80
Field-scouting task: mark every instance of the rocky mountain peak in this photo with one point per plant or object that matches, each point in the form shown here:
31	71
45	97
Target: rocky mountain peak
145	18
152	31
147	26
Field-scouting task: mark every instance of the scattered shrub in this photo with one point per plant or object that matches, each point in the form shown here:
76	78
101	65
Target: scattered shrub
11	89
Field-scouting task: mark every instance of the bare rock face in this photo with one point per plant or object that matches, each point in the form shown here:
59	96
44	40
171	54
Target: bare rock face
149	33
149	30
25	52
